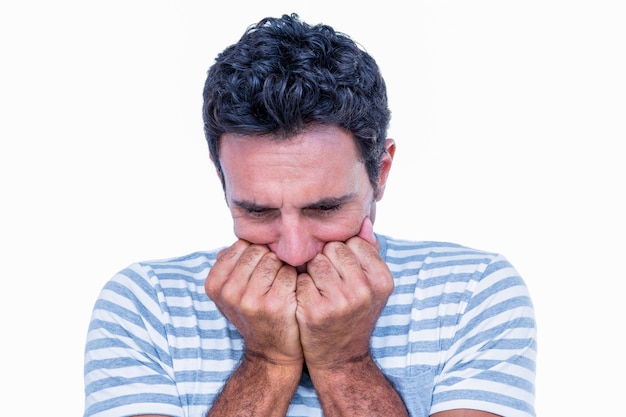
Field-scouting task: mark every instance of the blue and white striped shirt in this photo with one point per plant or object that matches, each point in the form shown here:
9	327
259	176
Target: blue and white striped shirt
457	332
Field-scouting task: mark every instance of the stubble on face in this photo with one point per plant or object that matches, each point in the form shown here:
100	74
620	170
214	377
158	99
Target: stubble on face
296	194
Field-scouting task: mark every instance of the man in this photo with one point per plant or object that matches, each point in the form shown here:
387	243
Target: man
309	312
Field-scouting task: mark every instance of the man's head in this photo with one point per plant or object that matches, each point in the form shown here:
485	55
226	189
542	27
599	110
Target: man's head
296	119
284	75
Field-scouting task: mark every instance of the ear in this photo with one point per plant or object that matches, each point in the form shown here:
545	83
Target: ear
385	166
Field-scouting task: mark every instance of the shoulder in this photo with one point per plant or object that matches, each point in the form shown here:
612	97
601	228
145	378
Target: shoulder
148	282
186	267
445	268
186	263
436	256
475	319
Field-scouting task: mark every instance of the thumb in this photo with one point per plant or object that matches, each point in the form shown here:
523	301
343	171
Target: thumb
367	231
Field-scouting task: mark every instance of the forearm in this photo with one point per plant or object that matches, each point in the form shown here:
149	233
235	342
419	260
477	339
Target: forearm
358	388
257	388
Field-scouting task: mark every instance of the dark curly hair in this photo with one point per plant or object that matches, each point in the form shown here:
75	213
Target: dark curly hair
284	75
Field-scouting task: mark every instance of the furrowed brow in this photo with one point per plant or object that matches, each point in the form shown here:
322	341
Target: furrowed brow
324	202
249	205
330	201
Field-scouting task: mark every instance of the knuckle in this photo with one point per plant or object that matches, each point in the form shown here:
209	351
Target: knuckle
388	286
286	275
248	306
343	253
383	290
268	266
251	255
320	265
361	293
229	293
231	252
210	288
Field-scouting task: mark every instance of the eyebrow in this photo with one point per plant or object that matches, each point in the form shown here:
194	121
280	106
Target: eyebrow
324	202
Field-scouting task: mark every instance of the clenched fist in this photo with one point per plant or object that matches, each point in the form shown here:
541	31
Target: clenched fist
323	316
257	293
340	298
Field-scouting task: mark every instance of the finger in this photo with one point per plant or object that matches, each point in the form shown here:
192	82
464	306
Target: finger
373	267
364	253
246	264
233	252
230	275
281	298
284	284
225	262
307	294
264	274
323	273
343	261
254	292
367	232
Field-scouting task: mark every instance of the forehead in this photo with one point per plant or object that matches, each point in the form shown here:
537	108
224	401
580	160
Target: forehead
315	144
321	161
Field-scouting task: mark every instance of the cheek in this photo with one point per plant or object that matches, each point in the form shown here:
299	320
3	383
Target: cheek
318	232
336	232
261	234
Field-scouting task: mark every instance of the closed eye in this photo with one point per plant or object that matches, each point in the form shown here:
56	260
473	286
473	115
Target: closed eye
254	211
259	213
324	210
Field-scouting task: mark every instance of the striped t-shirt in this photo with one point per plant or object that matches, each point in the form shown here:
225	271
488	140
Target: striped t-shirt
457	332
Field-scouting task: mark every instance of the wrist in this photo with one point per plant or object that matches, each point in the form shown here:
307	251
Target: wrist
339	364
341	371
283	370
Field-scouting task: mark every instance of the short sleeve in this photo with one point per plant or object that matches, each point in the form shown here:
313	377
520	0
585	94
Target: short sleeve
490	364
128	367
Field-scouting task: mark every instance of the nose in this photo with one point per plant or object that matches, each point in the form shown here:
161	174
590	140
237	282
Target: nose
296	243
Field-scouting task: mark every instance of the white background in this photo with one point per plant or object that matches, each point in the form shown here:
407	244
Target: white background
508	116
